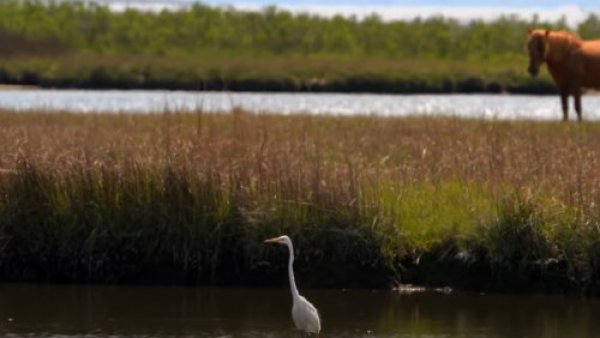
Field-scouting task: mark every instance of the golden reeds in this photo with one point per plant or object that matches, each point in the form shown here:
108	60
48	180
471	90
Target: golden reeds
187	197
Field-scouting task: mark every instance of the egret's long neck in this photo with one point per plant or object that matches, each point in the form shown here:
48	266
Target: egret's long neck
293	287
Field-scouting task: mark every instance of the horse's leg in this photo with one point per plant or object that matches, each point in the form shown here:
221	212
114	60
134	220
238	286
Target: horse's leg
577	96
564	100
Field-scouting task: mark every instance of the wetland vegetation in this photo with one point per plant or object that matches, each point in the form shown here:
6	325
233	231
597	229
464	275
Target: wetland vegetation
85	45
368	201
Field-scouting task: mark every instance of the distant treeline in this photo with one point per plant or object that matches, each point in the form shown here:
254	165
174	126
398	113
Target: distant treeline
49	31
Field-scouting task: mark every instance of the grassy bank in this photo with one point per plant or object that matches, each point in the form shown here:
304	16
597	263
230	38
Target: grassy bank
369	202
64	44
274	73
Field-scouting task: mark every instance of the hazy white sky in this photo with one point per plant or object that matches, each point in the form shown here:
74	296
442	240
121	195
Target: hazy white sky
573	11
478	3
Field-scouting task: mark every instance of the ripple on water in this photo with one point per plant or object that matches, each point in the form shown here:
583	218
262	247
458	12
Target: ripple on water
140	101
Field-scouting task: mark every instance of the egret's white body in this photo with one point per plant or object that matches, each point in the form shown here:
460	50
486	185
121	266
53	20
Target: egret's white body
304	314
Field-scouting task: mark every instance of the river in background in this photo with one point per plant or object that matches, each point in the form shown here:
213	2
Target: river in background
151	311
140	101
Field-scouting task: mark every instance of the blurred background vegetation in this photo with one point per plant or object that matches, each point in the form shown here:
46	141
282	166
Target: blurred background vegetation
73	44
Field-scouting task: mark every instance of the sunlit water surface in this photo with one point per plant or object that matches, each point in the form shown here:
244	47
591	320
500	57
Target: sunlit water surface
139	101
134	311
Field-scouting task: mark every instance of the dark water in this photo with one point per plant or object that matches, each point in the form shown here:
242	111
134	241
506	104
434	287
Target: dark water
111	311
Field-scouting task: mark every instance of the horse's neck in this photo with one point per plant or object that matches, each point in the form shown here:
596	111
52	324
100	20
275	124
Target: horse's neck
560	47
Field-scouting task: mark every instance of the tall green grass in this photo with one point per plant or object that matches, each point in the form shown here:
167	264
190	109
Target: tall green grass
368	201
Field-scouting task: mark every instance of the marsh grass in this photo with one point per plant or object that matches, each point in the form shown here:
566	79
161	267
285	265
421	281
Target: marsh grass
369	201
331	73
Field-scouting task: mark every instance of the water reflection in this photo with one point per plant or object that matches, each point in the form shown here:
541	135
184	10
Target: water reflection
140	101
132	311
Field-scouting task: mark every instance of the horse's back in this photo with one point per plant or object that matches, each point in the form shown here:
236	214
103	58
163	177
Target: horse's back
591	49
590	52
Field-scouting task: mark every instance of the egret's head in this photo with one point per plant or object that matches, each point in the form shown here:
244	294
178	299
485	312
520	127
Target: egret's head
279	240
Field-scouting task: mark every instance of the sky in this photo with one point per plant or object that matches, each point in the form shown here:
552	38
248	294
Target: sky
488	3
573	11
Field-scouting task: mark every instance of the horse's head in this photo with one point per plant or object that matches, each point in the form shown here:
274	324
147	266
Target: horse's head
536	44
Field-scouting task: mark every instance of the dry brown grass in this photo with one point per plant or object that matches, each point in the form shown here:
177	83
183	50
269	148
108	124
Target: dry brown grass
190	197
557	160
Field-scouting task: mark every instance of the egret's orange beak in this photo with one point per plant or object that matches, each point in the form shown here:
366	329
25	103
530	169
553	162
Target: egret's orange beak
272	240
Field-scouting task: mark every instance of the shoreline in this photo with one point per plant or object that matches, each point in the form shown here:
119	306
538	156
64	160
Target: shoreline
288	90
341	87
274	74
19	87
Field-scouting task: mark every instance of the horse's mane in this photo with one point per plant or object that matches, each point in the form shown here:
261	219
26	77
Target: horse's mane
561	43
565	34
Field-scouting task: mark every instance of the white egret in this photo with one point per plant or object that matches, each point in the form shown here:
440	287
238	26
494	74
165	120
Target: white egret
304	314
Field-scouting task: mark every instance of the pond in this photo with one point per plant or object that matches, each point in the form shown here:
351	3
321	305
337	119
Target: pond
174	311
140	101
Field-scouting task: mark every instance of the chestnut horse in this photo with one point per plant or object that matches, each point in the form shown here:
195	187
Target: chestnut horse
573	63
